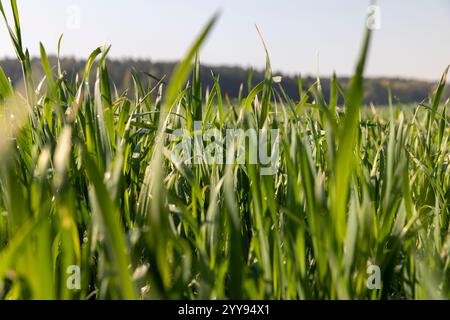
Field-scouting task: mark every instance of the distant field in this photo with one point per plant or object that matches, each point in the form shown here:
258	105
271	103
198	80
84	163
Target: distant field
234	81
101	197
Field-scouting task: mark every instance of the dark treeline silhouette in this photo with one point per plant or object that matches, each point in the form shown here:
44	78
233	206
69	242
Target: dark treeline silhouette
231	79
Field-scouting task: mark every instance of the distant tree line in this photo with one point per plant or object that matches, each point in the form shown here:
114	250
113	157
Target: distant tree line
232	79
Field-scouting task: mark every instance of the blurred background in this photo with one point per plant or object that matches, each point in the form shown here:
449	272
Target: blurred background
304	37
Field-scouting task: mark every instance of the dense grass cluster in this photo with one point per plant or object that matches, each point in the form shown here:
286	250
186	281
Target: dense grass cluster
86	179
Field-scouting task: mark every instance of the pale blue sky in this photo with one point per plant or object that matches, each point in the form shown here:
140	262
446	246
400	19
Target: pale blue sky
414	39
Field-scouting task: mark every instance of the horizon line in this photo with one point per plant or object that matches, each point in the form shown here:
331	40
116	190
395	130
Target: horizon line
241	66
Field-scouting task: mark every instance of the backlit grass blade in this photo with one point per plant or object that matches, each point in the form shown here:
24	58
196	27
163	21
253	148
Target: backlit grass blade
5	87
113	229
183	68
348	138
